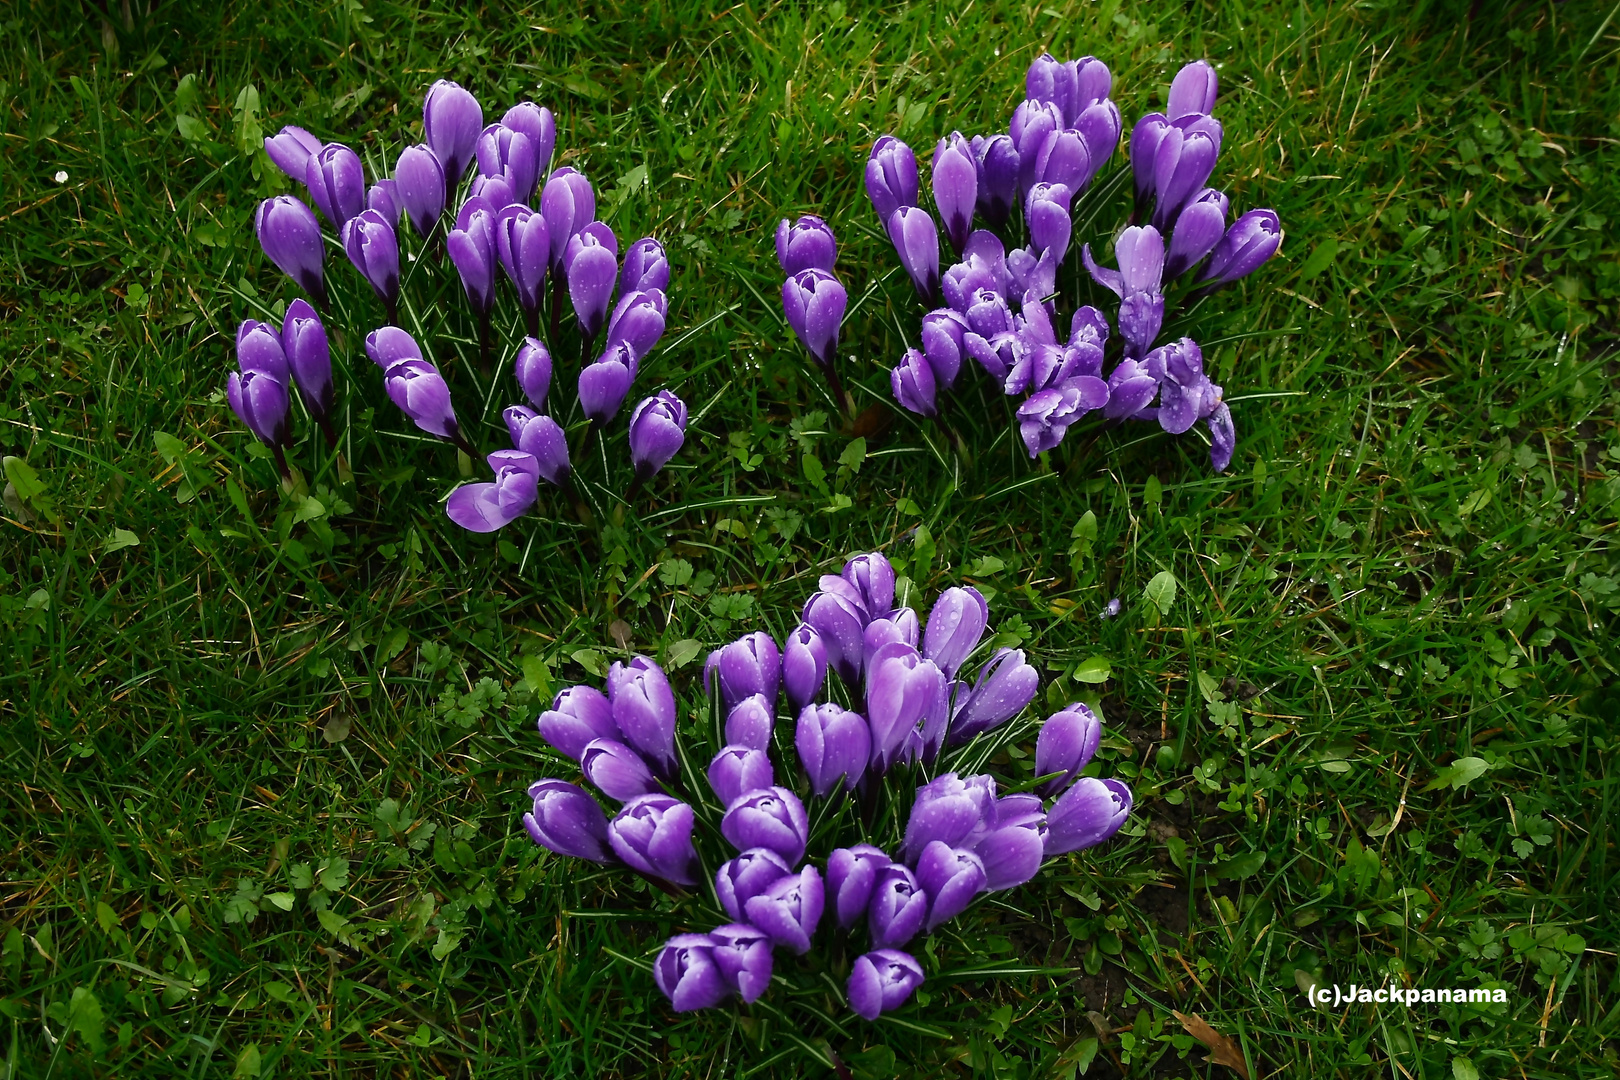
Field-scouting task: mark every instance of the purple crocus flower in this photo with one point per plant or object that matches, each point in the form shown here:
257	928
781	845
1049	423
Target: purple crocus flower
789	909
912	382
1130	390
1146	135
472	248
881	981
834	746
638	321
749	666
814	303
989	335
996	161
839	622
771	818
419	182
1013	847
949	808
1065	745
1222	437
1099	126
943	345
743	955
1087	814
259	348
369	241
1186	395
290	149
851	875
1193	90
578	716
388	345
983	267
1181	167
567	821
687	973
604	384
591	264
1199	227
805	244
653	834
1072	86
1140	251
617	771
484	508
260	402
523	241
423	396
657	432
916	241
956	187
1047	215
1045	416
495	190
336	182
898	909
569	205
508	153
309	358
532	368
872	577
955	624
646	267
739	770
542	438
383	197
1063	159
906	696
804	666
751	722
899	625
644	709
540	128
891	177
451	121
746	876
291	238
1252	239
952	878
1005	685
1033	122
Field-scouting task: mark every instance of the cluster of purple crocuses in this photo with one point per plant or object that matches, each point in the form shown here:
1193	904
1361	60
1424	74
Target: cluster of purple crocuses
494	230
998	305
922	726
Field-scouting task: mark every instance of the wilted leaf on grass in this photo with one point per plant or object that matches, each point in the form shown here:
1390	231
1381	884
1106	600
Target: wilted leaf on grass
1223	1051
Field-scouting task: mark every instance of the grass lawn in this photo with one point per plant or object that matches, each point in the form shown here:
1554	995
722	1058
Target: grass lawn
264	754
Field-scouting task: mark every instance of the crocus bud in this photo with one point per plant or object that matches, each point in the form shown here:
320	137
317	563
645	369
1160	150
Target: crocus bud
943	345
290	149
506	152
1193	90
569	205
388	345
1006	684
773	818
1140	251
532	368
916	241
1252	239
260	402
578	715
1185	393
1064	160
567	821
955	625
617	771
653	834
805	244
422	395
872	576
1130	389
804	666
369	241
956	187
309	358
1181	168
851	876
524	243
1013	848
638	321
604	384
1087	814
750	723
544	438
687	973
840	624
495	190
383	197
451	122
1033	122
646	267
881	981
1146	136
748	666
952	878
419	180
291	238
738	770
644	709
259	348
949	809
898	909
996	161
891	177
1049	79
743	955
484	508
657	432
1065	745
336	182
789	910
540	128
899	625
1099	127
1222	437
1199	227
746	876
905	695
1047	215
814	303
472	248
834	746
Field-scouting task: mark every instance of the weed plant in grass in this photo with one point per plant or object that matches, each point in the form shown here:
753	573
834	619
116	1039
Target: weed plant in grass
262	752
